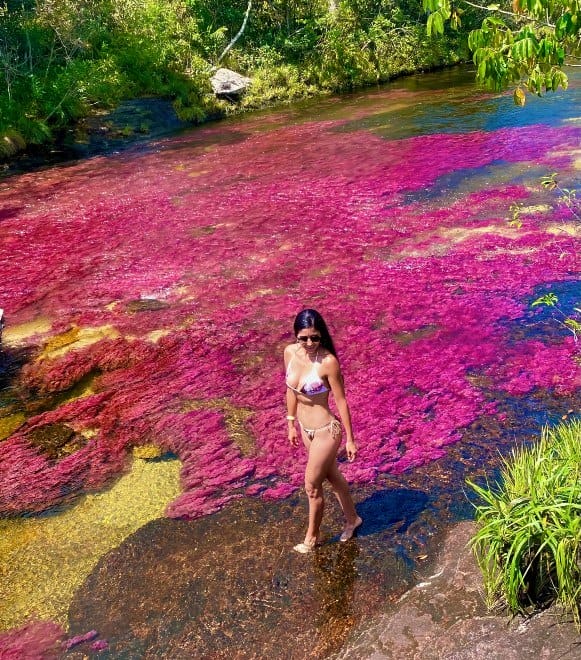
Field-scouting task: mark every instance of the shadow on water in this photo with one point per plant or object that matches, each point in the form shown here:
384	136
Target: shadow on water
11	362
385	508
227	581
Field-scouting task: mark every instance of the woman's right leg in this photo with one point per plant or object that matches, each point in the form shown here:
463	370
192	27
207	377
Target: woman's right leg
322	453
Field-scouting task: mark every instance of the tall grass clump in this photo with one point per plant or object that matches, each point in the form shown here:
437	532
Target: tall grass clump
528	543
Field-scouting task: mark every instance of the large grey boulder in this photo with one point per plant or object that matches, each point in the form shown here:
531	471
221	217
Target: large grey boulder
229	84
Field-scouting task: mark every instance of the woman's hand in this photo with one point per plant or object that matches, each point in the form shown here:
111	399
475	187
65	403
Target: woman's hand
351	448
293	436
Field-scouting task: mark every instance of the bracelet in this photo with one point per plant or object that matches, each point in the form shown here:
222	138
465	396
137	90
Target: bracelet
291	418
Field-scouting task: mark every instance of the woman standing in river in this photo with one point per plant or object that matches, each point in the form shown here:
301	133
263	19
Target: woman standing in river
312	372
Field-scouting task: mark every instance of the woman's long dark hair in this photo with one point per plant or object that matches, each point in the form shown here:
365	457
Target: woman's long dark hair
310	318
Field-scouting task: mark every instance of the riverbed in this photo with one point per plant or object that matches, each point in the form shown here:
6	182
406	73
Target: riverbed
148	296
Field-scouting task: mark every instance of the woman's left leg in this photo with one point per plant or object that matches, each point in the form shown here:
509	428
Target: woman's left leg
322	454
341	489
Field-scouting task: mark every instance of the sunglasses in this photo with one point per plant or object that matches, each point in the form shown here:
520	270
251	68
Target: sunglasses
313	338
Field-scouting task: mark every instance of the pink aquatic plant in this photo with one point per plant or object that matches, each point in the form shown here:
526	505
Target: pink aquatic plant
199	263
37	640
80	639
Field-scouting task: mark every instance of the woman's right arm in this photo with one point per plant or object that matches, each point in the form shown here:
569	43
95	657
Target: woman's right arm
291	410
291	405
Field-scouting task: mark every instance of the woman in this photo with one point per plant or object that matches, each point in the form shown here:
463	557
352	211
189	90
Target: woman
312	371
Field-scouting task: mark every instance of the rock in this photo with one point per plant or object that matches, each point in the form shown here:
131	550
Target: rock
55	440
229	585
444	618
146	305
229	84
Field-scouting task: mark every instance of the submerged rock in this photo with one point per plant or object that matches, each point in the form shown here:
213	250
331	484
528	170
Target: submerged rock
55	440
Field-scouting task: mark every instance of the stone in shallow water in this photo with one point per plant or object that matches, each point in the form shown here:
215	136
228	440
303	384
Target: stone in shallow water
146	305
55	440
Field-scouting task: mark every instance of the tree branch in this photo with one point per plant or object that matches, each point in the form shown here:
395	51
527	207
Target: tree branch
240	31
518	17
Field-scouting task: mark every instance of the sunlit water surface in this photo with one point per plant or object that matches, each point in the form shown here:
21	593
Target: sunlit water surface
148	297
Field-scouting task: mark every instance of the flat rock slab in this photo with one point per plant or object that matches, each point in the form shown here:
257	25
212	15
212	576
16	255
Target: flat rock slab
444	617
230	585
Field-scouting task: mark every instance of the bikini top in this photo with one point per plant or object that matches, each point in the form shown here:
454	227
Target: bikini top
312	385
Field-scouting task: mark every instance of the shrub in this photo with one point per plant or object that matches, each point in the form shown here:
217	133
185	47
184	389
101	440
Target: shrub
528	542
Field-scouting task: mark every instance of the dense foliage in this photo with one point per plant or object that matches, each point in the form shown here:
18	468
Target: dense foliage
62	59
522	42
529	538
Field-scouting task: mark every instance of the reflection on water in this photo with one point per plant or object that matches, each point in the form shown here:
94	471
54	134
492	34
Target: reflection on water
148	298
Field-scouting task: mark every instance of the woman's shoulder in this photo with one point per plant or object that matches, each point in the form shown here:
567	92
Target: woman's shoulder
289	352
329	360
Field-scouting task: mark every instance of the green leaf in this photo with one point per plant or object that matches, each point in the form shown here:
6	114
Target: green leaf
430	5
549	299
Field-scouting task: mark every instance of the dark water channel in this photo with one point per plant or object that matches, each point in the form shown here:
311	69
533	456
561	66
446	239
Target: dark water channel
149	295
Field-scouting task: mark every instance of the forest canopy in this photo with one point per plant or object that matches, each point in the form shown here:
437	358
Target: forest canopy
62	59
522	42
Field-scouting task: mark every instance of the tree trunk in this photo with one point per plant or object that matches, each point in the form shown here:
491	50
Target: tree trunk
239	33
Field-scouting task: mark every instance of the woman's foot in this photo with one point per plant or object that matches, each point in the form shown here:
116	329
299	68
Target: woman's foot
349	530
308	545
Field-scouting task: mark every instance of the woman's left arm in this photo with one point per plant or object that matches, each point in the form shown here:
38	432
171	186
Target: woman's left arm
335	378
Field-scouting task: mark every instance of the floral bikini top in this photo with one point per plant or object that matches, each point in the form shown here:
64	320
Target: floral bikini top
312	385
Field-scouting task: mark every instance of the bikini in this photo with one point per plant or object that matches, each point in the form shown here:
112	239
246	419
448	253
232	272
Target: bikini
313	385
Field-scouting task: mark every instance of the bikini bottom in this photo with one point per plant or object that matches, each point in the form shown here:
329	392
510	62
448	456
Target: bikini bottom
334	426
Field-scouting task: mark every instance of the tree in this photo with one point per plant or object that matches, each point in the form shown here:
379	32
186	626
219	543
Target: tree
525	43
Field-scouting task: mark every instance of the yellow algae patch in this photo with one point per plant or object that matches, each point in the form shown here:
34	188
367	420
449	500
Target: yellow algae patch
147	451
570	229
16	334
89	433
10	423
65	338
45	559
459	234
234	418
155	335
454	235
75	338
539	208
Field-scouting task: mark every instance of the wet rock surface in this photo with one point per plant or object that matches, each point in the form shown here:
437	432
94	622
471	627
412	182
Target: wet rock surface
131	122
444	617
229	585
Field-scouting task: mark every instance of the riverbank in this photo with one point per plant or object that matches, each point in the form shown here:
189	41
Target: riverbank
143	120
444	616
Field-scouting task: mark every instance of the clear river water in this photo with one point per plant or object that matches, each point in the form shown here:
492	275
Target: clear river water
149	497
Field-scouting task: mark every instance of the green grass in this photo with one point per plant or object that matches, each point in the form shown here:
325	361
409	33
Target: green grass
528	543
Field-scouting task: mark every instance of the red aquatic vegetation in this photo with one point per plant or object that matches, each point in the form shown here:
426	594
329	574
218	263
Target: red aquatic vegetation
422	292
37	640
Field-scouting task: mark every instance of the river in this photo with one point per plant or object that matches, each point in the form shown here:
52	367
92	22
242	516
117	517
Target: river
149	494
